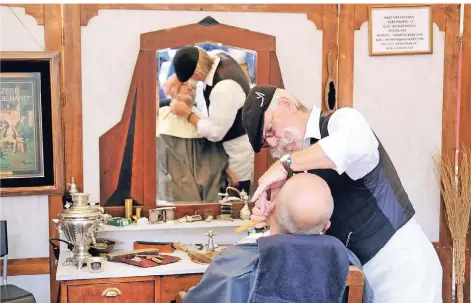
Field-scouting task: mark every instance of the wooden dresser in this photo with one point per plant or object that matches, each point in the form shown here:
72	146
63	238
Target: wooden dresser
149	289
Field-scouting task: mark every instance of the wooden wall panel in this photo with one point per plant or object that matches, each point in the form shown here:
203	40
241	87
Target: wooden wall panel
446	16
27	267
465	118
345	61
329	44
72	94
465	108
314	11
53	42
451	14
150	148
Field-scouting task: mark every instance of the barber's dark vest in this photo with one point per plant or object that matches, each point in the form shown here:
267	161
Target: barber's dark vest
367	211
229	69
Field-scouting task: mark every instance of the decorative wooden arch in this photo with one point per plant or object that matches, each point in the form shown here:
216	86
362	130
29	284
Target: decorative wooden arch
447	17
128	149
314	12
34	10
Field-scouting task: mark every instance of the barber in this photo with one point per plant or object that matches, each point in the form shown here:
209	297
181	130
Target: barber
373	215
225	91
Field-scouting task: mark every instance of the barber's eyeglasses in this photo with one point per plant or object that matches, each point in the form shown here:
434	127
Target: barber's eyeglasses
269	133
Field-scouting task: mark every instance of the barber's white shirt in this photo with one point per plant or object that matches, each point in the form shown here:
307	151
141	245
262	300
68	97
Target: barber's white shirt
351	143
250	239
226	98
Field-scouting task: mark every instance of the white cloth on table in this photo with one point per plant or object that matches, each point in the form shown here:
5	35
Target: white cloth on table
176	126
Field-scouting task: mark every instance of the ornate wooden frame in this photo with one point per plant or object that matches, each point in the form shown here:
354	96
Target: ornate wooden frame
52	60
447	17
139	117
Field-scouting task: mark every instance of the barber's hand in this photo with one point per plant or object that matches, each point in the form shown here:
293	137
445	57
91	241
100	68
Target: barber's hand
172	86
274	177
263	207
180	108
262	210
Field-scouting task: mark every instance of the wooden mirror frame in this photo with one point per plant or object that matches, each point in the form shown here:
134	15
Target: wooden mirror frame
128	150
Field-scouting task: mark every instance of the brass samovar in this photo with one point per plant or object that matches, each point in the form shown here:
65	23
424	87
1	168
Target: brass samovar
79	223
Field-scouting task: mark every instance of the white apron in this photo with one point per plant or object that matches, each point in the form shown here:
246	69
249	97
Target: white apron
407	269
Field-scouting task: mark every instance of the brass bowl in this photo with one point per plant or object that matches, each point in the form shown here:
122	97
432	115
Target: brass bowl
210	255
104	246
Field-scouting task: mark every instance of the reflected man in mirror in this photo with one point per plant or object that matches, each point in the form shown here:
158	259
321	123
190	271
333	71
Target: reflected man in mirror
293	262
225	91
190	168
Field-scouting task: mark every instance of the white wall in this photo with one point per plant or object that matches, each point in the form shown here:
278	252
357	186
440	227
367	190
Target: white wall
110	45
402	97
27	217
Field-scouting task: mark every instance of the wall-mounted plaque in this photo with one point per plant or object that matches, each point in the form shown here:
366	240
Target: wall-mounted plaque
400	30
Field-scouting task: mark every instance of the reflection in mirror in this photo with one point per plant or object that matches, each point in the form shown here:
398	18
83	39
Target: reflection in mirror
202	147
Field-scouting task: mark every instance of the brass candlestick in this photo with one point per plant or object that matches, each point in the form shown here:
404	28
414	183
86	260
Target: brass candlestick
128	208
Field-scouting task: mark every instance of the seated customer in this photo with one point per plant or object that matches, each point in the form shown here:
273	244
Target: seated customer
190	168
296	263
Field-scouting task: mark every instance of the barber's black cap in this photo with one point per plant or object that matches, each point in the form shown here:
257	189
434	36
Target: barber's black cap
185	61
253	112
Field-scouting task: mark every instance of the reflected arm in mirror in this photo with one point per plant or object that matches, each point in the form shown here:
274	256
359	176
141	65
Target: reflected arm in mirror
181	109
227	97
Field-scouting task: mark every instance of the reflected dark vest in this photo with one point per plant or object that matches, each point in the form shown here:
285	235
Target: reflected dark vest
367	211
229	69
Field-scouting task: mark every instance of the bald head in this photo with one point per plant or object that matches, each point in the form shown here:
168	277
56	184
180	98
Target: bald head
304	205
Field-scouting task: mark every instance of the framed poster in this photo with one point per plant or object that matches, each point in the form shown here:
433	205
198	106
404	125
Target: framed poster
31	157
400	30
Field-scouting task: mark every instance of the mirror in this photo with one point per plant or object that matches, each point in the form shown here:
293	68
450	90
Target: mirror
201	155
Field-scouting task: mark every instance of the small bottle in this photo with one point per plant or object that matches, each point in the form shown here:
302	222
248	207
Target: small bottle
245	212
138	212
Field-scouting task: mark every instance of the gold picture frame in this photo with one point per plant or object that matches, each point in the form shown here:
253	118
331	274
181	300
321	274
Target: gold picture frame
31	146
401	52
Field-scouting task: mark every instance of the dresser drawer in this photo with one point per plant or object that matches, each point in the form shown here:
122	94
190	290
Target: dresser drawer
132	292
172	285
